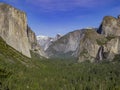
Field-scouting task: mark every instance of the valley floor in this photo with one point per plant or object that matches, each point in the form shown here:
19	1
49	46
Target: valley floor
18	72
61	75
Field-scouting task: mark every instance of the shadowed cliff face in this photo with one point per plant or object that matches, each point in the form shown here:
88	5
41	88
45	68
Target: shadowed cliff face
13	28
31	38
34	46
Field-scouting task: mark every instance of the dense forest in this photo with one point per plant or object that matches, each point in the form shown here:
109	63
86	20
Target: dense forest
61	75
18	72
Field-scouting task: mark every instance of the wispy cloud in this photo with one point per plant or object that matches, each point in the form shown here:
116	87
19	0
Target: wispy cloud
64	5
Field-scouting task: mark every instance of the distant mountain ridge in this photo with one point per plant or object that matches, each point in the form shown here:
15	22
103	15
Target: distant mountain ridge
46	41
89	44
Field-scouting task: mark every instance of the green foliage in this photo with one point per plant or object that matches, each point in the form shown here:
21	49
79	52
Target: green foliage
101	41
117	57
22	73
110	37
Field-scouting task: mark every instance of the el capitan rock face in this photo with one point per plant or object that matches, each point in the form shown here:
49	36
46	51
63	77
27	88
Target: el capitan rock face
13	28
15	31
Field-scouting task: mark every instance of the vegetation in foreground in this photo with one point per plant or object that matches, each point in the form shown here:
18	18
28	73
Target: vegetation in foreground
18	72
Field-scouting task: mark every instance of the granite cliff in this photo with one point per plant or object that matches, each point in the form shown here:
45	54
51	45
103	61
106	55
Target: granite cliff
65	46
90	44
85	44
13	28
15	31
34	45
104	45
110	28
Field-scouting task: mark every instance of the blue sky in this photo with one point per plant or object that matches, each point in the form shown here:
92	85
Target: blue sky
49	17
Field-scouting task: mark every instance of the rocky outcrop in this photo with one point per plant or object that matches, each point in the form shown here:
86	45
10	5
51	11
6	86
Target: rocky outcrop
34	46
31	38
15	31
112	48
102	46
87	44
90	43
65	46
82	44
13	28
110	28
58	36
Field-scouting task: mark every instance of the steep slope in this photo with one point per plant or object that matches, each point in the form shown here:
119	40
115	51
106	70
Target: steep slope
16	68
13	28
65	46
110	28
34	46
89	46
102	46
10	55
15	31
